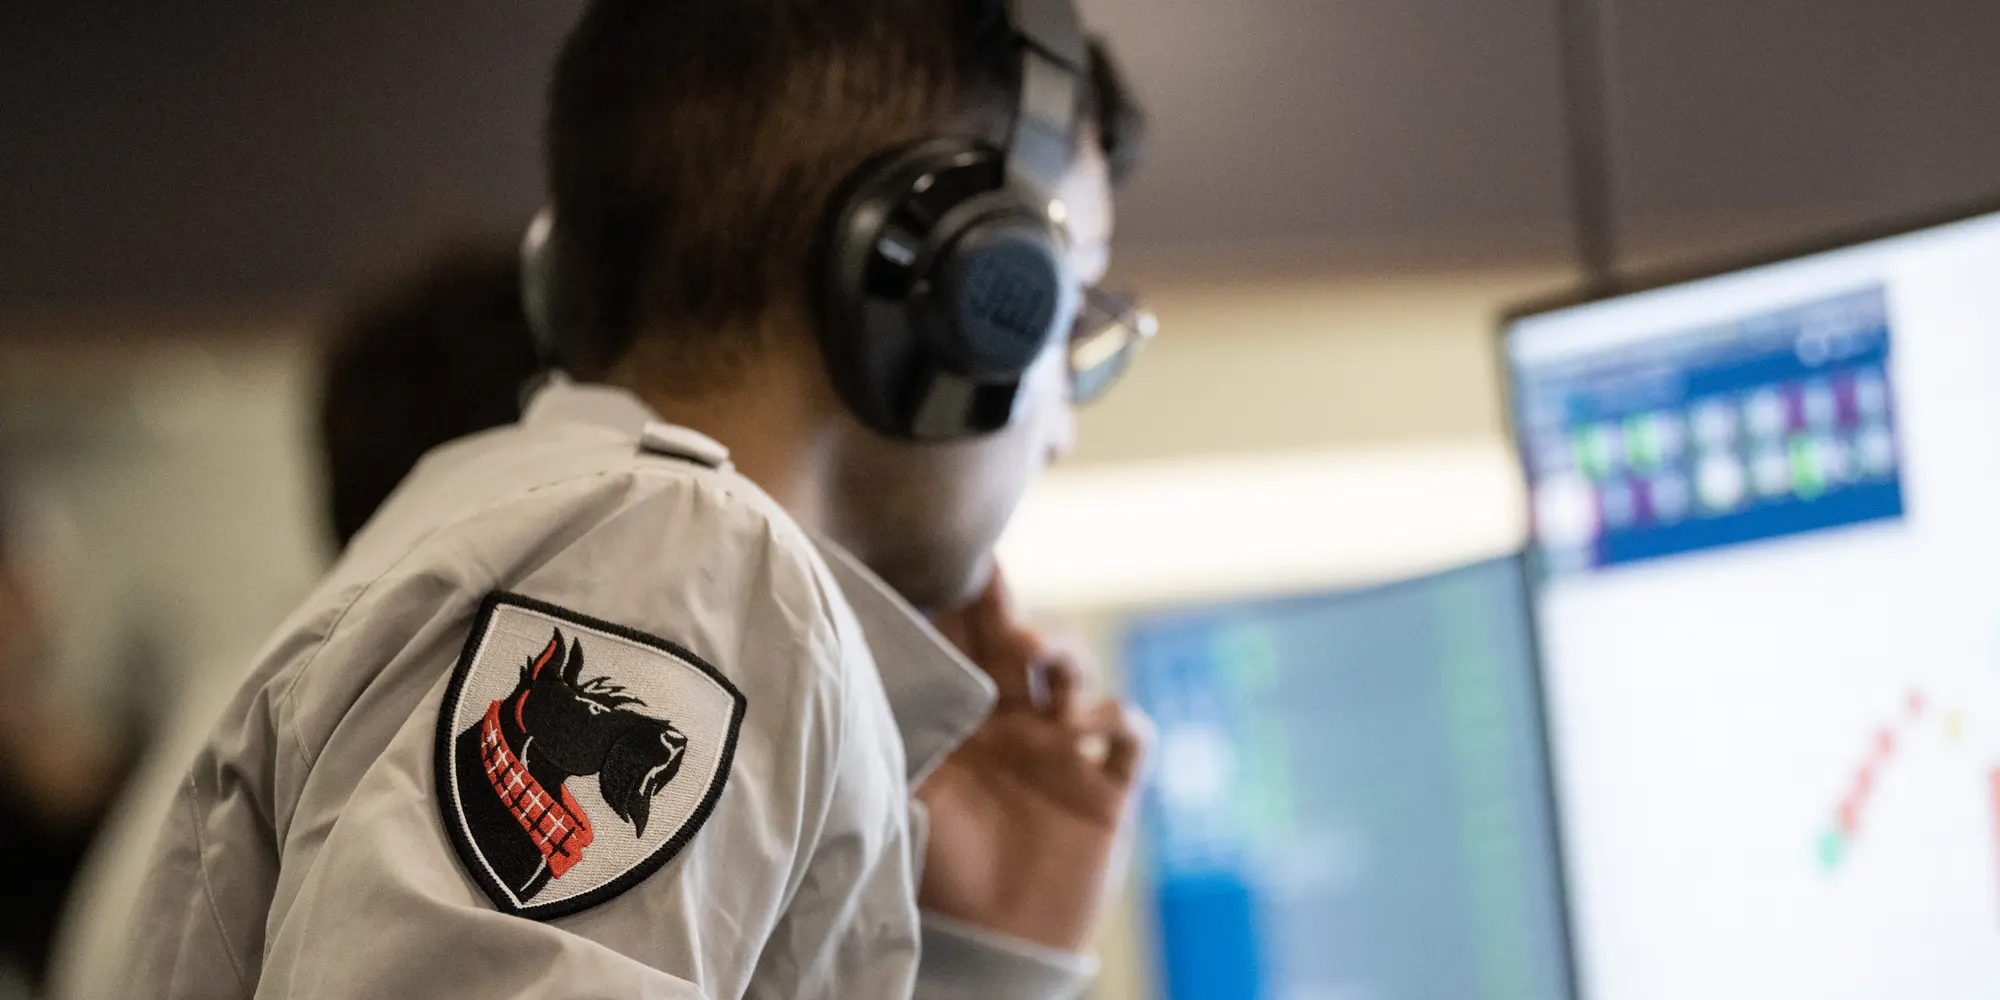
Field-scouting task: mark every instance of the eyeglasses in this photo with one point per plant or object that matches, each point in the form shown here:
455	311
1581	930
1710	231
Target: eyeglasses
1109	329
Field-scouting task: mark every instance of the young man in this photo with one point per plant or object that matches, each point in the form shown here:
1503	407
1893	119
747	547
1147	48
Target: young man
597	706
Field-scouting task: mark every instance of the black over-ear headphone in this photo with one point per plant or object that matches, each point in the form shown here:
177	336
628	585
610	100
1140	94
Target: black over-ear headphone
942	275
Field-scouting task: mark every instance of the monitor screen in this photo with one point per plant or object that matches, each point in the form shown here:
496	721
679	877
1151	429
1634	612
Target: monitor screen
1348	801
1767	597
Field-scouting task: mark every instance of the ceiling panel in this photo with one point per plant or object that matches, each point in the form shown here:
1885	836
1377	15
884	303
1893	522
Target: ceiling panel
228	148
1344	123
217	150
1745	123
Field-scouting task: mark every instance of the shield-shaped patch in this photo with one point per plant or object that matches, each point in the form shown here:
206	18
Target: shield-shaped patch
575	756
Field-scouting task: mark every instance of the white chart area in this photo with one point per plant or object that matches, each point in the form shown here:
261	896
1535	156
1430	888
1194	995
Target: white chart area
1778	762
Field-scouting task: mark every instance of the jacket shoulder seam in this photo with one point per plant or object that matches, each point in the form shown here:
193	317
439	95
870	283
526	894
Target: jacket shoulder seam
289	721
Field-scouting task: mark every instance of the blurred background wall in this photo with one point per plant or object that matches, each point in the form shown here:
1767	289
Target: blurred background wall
1338	198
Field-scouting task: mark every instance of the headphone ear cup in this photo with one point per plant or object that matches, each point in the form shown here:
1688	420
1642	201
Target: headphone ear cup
1002	288
938	286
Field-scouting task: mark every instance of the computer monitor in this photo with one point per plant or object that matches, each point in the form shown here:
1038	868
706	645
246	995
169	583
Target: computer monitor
1767	597
1348	799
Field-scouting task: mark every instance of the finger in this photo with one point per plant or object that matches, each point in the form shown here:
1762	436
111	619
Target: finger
966	626
993	610
1013	657
1129	734
1058	681
999	592
956	630
1005	647
982	631
1092	729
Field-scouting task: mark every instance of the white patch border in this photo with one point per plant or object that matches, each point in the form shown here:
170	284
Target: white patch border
452	810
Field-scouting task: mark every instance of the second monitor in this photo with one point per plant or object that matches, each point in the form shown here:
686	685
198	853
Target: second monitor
1349	799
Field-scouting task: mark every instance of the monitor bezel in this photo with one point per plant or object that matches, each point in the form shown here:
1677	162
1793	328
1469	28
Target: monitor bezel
1657	278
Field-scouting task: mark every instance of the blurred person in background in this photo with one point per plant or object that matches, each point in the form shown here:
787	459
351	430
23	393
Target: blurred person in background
443	354
57	776
350	831
435	354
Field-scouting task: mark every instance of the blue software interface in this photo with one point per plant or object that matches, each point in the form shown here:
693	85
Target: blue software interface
1349	799
1775	423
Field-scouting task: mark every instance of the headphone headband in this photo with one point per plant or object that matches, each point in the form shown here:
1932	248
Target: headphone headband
1055	63
1053	27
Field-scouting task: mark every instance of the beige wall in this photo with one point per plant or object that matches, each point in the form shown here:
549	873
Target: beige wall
1303	364
168	492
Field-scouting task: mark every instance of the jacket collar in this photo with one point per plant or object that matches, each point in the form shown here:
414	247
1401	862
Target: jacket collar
937	695
558	400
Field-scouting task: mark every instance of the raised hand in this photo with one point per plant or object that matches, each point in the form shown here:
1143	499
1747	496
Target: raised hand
1026	817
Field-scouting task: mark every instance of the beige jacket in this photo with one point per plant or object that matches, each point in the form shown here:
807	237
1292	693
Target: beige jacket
581	714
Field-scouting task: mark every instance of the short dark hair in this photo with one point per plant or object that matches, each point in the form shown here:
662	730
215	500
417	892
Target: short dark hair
694	148
443	352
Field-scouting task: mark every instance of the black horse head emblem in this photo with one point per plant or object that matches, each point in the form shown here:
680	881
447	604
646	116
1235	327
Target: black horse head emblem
513	766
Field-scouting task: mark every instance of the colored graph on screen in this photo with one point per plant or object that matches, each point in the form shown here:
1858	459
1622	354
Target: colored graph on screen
1848	822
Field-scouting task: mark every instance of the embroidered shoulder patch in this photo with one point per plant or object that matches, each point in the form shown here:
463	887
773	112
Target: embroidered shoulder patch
575	757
